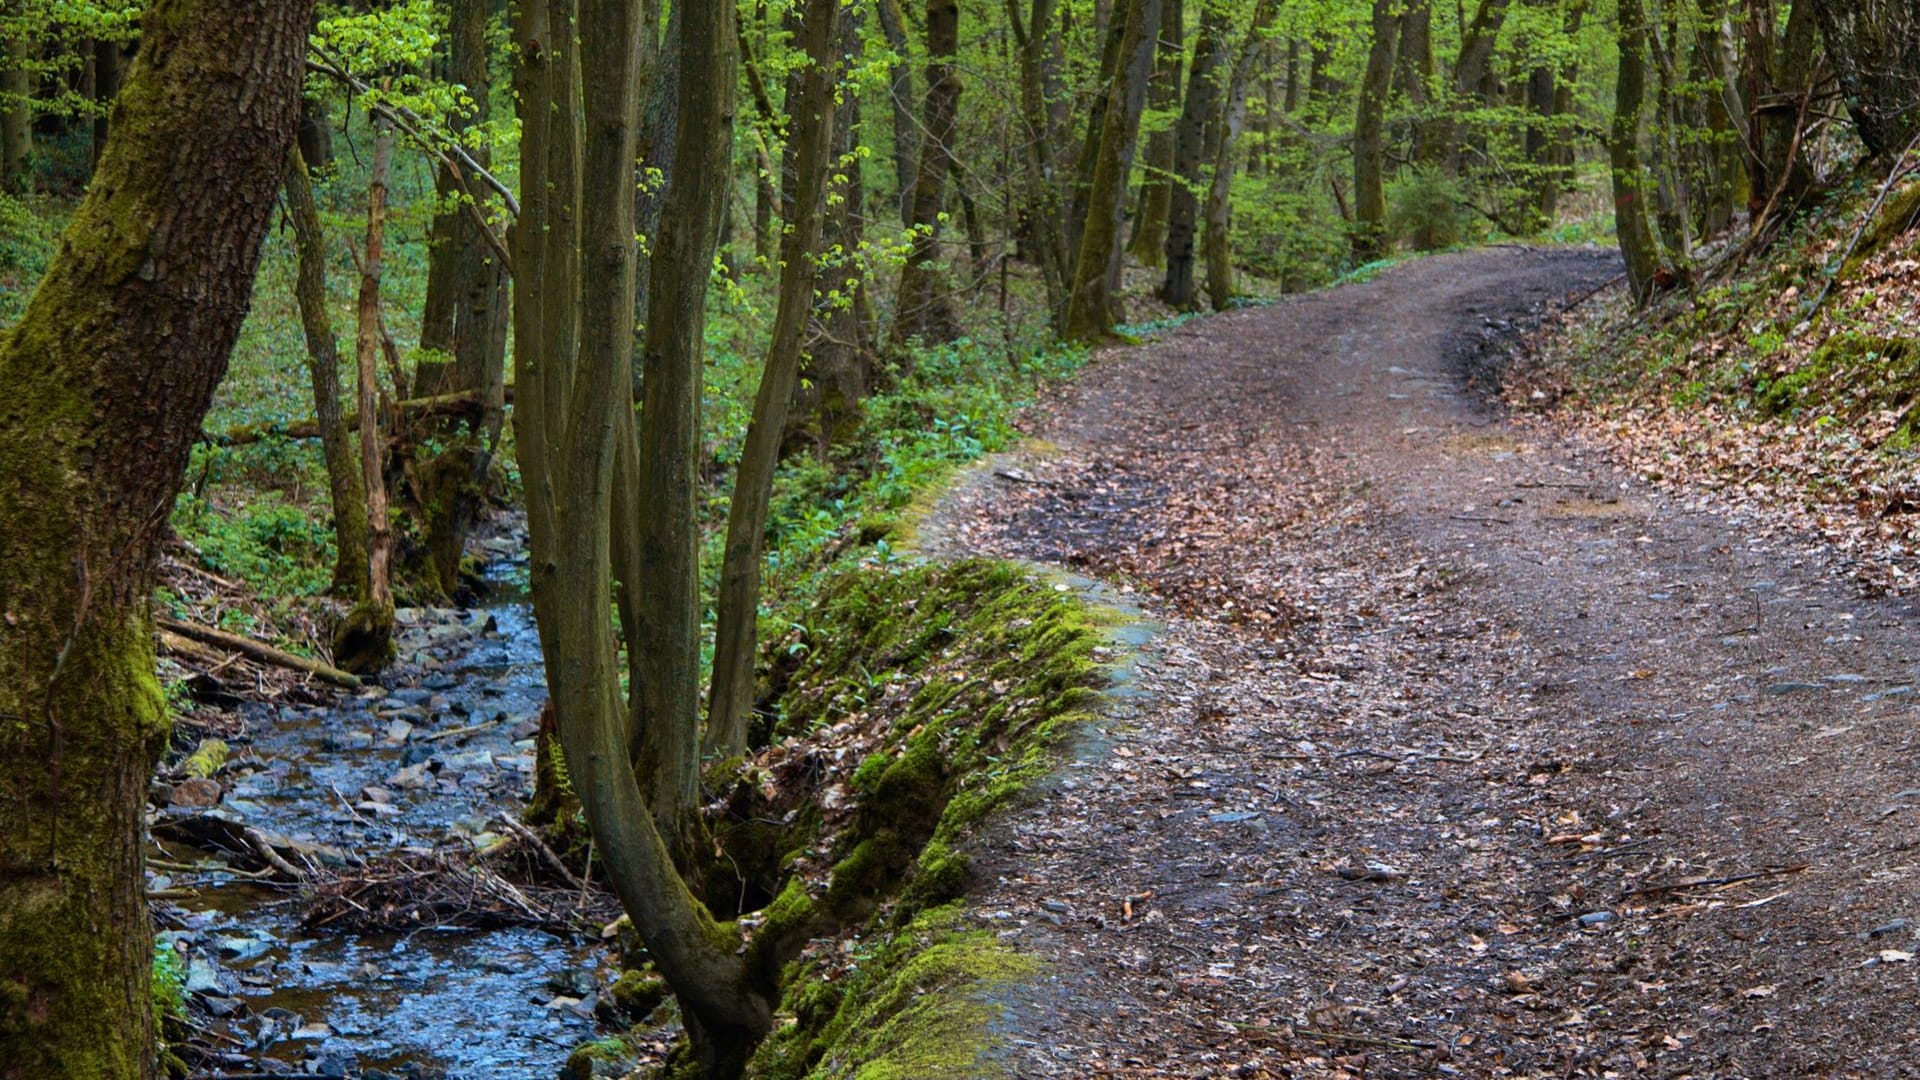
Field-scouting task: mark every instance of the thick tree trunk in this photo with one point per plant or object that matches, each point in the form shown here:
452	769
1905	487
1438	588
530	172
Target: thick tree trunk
344	485
1630	184
1369	143
1189	153
1875	46
108	374
1091	310
1148	242
810	106
922	310
363	644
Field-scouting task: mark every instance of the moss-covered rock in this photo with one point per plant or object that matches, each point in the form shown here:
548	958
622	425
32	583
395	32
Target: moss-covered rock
1848	375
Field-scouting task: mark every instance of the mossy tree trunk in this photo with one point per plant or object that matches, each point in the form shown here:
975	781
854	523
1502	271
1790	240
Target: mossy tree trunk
1369	136
345	488
574	329
1148	243
1218	245
1091	306
810	108
1043	220
922	308
108	374
364	641
1637	243
1189	153
462	335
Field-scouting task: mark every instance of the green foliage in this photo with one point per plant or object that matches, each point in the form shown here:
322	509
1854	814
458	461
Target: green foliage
276	548
1426	209
169	984
29	231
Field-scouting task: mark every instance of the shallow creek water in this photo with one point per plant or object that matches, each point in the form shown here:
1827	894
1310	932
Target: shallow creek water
458	1004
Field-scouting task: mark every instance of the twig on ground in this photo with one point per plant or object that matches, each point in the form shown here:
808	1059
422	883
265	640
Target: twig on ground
1702	882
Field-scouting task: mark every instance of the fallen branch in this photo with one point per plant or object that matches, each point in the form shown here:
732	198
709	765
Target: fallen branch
552	857
1701	882
413	408
262	652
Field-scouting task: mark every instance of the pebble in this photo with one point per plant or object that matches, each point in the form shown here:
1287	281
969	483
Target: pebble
1597	918
1781	688
195	792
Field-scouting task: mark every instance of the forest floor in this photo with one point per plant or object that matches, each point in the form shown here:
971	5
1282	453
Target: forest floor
1459	752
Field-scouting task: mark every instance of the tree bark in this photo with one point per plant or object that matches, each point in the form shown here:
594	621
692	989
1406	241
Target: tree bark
1369	144
1189	152
16	113
1875	46
922	309
109	373
1091	308
462	334
893	25
344	485
1218	245
363	644
1623	148
1044	212
810	107
1148	243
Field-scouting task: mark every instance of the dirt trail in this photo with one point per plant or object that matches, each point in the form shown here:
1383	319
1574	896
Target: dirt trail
1446	725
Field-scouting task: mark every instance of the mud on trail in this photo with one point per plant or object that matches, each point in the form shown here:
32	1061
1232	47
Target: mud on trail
1459	753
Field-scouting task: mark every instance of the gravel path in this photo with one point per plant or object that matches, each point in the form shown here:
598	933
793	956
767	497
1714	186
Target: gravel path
1458	754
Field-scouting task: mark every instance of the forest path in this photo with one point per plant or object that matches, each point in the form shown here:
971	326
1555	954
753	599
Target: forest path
1446	723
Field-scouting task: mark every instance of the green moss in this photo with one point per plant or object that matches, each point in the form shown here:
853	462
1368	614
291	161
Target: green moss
1848	375
206	759
600	1058
636	993
921	1007
1897	215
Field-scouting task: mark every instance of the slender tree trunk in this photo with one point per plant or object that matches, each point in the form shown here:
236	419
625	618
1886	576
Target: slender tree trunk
1091	310
1560	143
837	364
922	310
462	336
364	641
1472	78
1369	143
1189	153
16	112
315	136
893	24
1875	46
1414	67
107	63
1148	243
667	637
1045	213
108	374
1623	146
344	484
811	108
1218	245
573	376
1779	76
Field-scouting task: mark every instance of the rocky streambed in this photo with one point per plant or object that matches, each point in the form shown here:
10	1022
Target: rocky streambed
429	763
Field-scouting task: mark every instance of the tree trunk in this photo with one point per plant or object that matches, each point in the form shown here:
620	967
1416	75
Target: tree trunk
1218	246
363	644
1779	77
16	113
1044	213
1623	147
1414	67
108	374
1875	46
922	309
893	25
315	136
344	485
462	335
836	366
1369	143
1091	306
1148	243
572	394
1560	144
810	106
1189	152
107	63
1472	78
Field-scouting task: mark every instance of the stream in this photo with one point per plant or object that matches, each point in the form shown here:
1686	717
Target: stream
393	767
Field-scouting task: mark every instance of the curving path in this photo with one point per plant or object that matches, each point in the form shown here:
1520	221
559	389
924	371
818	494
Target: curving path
1459	754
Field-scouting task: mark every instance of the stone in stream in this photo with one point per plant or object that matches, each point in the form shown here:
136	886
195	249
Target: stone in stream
195	792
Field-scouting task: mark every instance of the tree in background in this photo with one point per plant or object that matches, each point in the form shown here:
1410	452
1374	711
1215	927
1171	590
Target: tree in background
108	374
